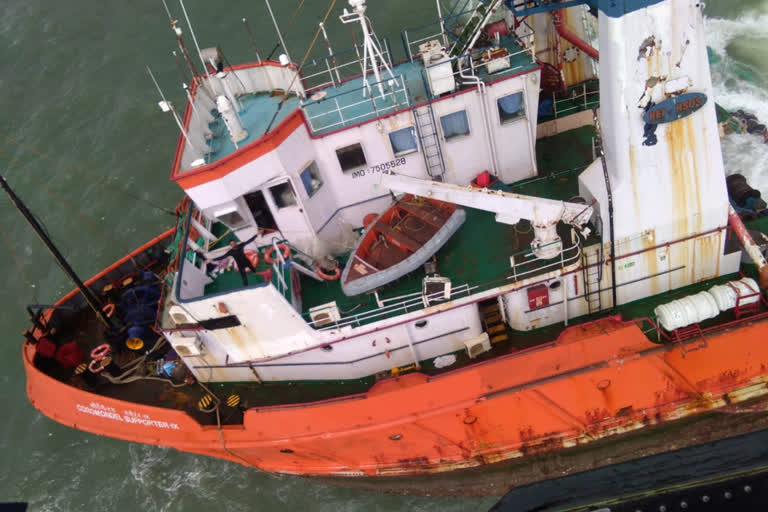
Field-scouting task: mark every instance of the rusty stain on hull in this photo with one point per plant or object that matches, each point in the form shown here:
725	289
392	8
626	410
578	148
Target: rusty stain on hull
579	390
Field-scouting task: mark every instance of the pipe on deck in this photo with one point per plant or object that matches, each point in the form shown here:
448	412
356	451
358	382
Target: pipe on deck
562	31
753	250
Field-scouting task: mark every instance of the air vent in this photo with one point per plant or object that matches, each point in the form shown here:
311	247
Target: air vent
186	345
324	314
477	345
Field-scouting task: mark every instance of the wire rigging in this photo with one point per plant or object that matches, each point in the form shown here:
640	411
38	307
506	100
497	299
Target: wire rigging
287	28
301	66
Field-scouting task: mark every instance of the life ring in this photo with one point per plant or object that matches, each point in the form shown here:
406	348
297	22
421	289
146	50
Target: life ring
108	309
284	250
95	366
100	352
253	257
333	275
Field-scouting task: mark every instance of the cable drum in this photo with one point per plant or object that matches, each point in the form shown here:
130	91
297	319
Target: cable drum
726	294
686	311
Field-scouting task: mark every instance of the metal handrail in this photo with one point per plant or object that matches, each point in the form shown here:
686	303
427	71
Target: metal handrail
375	110
587	99
324	63
408	44
415	301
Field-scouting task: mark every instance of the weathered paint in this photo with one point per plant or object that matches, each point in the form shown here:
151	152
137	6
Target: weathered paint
582	388
675	108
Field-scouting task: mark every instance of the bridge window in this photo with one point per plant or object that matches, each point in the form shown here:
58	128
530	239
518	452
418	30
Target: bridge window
403	141
310	177
283	195
455	125
511	107
351	157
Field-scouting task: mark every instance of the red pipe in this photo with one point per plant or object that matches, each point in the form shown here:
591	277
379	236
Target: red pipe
749	246
572	38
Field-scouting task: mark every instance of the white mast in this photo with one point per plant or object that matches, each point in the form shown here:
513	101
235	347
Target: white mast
371	51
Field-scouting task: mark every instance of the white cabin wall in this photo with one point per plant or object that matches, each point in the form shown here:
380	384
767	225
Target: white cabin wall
269	324
233	185
194	280
465	156
515	140
361	185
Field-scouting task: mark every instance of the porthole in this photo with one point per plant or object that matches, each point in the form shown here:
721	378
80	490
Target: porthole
554	285
286	450
420	324
327	348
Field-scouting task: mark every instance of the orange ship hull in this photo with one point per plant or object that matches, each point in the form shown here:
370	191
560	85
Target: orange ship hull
597	380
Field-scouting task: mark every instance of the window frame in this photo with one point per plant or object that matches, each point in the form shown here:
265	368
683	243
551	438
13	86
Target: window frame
523	111
458	135
275	197
353	168
415	148
307	167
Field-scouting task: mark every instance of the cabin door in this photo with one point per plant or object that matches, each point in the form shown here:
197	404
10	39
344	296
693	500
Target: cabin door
288	213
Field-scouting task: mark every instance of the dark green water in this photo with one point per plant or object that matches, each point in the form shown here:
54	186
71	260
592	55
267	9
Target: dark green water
73	85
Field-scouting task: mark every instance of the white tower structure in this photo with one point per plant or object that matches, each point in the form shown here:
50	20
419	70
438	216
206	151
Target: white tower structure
667	175
372	55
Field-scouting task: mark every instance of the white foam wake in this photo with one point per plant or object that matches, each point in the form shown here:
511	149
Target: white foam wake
736	86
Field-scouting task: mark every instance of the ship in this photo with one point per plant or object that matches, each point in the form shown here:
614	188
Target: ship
602	300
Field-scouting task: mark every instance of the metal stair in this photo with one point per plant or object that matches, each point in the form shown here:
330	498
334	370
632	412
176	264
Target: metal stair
426	128
592	273
493	321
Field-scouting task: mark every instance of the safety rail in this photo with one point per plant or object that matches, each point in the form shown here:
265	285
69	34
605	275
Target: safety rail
396	97
476	63
409	43
410	302
331	70
579	97
524	267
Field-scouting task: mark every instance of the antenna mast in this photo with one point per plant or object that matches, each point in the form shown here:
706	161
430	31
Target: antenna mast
371	51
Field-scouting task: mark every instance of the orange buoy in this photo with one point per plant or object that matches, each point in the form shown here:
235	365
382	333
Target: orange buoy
101	351
108	309
284	250
333	275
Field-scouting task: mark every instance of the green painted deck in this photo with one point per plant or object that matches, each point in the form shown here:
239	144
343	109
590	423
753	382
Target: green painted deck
458	258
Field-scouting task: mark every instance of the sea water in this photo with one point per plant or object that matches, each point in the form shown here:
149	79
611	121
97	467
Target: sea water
83	141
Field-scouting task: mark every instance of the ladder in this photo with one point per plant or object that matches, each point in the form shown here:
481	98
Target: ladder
493	321
592	274
426	128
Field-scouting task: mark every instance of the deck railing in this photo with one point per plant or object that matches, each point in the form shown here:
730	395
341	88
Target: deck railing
408	303
576	98
333	69
525	264
433	29
335	113
400	305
